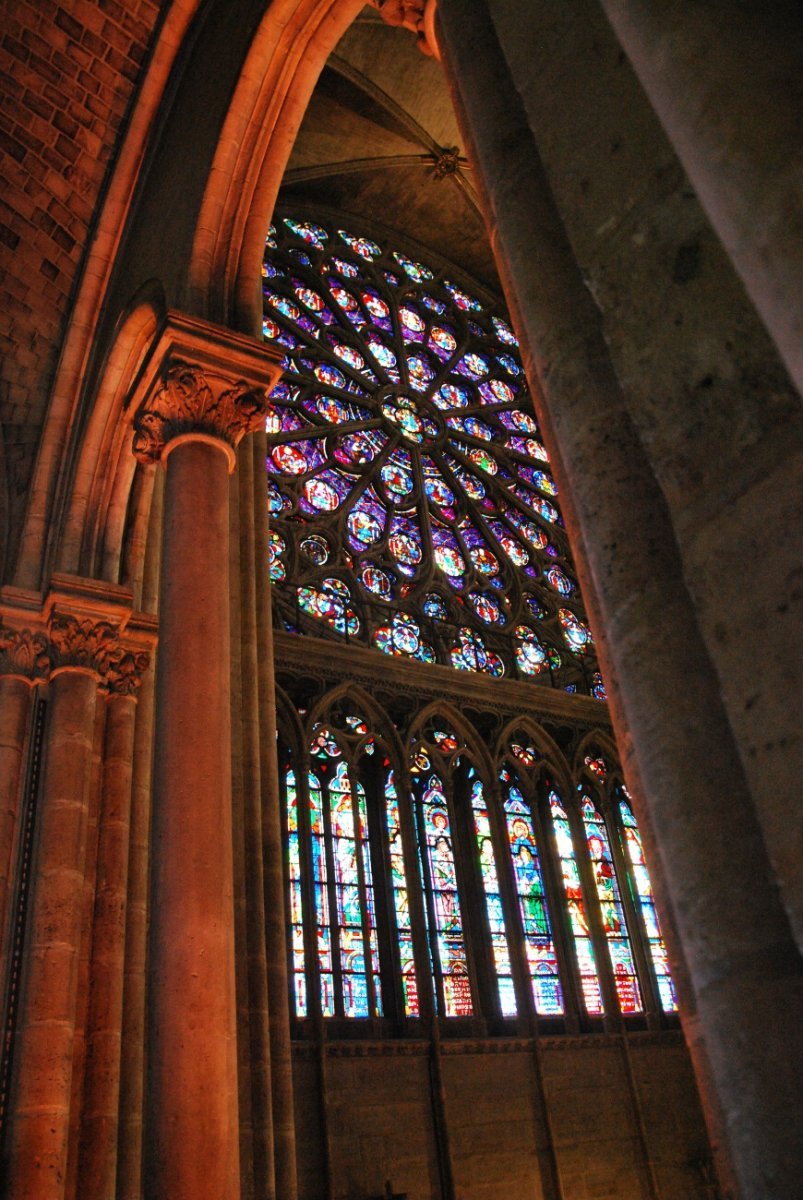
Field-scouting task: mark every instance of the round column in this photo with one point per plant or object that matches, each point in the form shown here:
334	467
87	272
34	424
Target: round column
192	1118
41	1089
97	1163
724	79
193	415
746	980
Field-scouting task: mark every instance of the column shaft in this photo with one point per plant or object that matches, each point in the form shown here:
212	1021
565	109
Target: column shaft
15	707
744	968
724	79
97	1166
132	1059
39	1125
191	1127
284	1135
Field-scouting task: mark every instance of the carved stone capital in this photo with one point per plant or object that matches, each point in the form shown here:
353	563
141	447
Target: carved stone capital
203	380
124	675
91	645
416	15
194	400
23	652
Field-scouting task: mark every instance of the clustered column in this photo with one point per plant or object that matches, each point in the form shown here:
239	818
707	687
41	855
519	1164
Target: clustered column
208	389
76	655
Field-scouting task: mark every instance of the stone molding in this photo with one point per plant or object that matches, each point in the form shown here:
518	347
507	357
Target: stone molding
80	624
415	1047
24	652
201	380
416	15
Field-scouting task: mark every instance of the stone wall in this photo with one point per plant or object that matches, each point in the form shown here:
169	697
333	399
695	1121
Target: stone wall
383	1105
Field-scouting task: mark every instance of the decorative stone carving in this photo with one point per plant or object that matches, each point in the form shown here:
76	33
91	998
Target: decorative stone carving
447	162
93	645
23	653
415	15
125	672
194	400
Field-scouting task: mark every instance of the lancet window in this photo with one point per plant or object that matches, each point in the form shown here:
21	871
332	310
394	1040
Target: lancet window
427	881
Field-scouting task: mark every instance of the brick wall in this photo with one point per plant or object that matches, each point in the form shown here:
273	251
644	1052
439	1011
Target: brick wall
67	73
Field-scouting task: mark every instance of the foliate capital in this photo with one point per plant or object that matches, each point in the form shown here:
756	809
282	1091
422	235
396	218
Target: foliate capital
125	672
201	379
194	400
23	653
91	645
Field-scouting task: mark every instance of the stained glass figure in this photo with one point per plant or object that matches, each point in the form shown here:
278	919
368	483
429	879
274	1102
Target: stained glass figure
539	945
447	946
493	899
578	919
299	982
646	903
613	917
401	902
405	462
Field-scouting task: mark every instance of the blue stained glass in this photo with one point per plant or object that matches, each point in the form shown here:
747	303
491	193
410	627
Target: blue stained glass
438	856
413	270
613	917
646	903
366	521
401	904
539	945
325	493
315	235
362	246
462	299
493	900
584	950
451	395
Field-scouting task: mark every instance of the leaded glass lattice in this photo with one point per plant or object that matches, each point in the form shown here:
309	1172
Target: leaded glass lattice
412	502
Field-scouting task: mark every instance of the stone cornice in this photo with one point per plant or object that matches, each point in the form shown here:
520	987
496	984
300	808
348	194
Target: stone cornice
201	380
79	624
415	1047
332	662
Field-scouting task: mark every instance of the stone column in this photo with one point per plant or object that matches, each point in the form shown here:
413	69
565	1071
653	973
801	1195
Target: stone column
205	390
97	1160
23	662
37	1145
745	972
724	79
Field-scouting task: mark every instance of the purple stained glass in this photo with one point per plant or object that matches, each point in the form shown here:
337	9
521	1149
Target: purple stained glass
573	892
360	245
613	917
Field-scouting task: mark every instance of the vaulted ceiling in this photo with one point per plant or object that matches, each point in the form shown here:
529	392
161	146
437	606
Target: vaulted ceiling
380	142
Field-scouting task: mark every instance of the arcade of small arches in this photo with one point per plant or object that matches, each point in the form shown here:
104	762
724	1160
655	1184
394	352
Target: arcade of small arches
428	876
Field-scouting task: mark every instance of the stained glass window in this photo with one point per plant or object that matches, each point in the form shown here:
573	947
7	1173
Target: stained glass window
439	873
613	917
412	504
493	900
646	903
348	946
401	899
539	945
578	919
297	950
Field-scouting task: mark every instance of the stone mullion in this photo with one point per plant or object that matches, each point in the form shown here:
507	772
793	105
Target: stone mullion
612	1019
557	909
425	984
514	925
471	898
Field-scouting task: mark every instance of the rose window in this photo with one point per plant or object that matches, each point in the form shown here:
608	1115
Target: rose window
412	504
